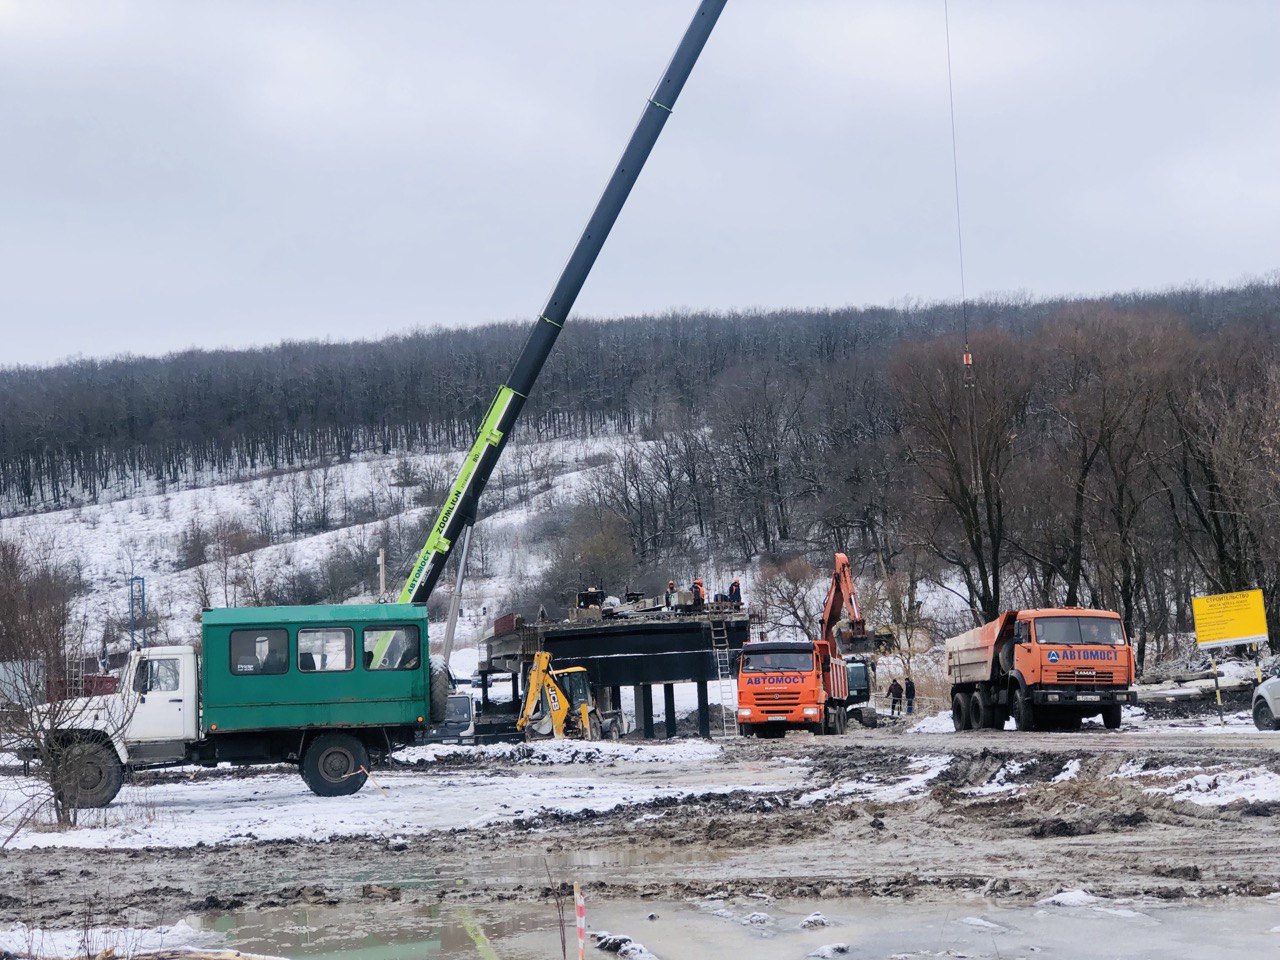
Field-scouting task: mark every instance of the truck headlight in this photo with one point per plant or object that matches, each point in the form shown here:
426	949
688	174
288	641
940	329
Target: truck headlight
1052	698
810	711
744	711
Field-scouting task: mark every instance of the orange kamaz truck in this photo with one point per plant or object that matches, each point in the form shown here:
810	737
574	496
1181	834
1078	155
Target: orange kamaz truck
1048	669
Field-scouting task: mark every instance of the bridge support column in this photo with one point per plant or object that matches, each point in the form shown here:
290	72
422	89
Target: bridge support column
646	710
704	711
669	701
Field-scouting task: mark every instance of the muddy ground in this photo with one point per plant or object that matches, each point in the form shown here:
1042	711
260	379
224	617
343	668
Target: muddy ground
1012	816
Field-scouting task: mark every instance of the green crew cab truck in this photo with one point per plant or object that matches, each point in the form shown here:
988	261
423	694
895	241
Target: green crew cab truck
324	687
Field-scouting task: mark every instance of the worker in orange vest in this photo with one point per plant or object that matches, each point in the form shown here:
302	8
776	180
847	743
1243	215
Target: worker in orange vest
699	594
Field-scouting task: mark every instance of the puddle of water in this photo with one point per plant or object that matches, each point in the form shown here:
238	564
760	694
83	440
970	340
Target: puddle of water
977	929
872	928
411	873
374	931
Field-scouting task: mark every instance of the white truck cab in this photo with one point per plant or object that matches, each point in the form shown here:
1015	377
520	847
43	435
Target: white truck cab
153	715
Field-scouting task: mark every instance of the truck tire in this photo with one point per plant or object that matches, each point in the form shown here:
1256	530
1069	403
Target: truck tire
593	726
94	772
331	765
982	715
1263	718
1024	712
438	695
960	712
1111	716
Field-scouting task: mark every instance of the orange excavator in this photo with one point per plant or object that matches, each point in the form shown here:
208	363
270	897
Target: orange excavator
845	629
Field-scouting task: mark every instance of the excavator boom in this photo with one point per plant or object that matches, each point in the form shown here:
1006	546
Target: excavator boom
459	508
843	625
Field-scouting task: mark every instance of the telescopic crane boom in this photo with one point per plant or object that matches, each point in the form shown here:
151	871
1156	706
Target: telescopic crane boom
459	508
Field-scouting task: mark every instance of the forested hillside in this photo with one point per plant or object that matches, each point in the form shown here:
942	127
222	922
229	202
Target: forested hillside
1118	452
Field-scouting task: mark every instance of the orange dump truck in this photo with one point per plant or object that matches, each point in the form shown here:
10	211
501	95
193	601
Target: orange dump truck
791	685
1048	669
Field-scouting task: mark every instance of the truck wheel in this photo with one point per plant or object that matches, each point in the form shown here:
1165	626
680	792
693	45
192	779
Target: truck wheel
593	727
1111	716
1024	713
981	713
438	694
331	765
94	775
615	729
960	712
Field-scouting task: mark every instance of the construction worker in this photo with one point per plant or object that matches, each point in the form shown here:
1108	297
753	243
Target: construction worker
735	591
671	594
910	690
895	698
699	593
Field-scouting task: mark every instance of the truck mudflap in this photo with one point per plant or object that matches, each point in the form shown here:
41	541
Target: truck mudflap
1074	696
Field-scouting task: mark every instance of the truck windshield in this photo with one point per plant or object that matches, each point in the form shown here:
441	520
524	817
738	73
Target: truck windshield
458	710
1087	630
769	662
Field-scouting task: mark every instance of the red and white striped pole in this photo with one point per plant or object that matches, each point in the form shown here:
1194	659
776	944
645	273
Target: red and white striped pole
580	907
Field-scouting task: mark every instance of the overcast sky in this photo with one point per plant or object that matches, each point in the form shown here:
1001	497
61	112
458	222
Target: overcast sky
232	173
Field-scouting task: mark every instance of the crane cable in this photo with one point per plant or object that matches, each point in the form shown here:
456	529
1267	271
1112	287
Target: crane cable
964	299
955	181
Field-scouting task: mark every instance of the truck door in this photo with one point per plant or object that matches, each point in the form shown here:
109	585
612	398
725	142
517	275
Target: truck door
163	708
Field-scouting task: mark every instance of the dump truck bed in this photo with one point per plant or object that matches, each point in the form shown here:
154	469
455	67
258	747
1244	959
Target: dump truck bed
971	655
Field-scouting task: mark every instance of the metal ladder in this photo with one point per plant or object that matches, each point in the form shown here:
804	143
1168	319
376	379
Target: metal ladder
74	676
728	697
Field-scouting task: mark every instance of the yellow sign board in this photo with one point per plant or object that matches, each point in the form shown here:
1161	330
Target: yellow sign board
1229	619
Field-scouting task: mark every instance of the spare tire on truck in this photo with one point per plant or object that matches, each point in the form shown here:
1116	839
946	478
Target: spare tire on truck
438	692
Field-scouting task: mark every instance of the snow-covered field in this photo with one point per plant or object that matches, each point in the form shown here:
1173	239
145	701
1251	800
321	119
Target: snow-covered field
548	778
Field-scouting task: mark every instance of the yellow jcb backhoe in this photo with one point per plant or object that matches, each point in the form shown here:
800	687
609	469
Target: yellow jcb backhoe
558	703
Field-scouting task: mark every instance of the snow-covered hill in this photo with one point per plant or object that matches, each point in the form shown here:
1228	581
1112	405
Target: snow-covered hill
144	535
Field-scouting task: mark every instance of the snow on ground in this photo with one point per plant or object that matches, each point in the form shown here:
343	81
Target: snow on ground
915	781
550	752
999	781
1217	788
22	940
940	722
278	806
1070	898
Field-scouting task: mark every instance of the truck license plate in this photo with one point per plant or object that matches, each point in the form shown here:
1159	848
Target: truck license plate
779	719
1091	697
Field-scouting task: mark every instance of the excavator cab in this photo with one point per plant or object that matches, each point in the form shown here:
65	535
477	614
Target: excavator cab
574	683
558	703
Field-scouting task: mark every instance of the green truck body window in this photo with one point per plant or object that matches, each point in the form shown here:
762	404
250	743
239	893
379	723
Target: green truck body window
325	649
401	648
259	651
